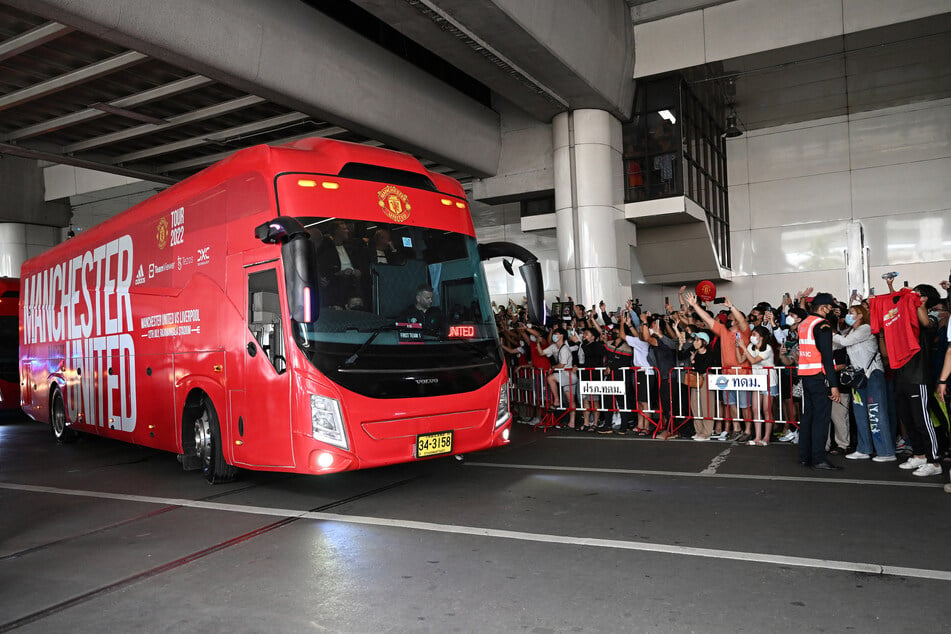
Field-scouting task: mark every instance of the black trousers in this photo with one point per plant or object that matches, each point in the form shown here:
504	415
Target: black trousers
911	401
814	422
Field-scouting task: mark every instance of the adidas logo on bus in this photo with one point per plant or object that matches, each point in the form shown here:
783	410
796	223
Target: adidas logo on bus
140	277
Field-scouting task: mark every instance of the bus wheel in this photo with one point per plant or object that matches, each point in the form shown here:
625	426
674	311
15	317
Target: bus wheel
61	431
208	446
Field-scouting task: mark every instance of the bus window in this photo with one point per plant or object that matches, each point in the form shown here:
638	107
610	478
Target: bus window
264	316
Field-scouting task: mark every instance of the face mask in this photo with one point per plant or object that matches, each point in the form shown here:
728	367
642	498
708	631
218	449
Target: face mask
850	319
555	338
532	337
754	341
790	321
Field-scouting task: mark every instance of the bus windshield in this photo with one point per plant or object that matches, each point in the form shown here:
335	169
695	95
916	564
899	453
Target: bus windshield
404	310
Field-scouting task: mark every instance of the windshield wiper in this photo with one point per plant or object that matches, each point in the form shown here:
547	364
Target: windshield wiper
363	346
472	346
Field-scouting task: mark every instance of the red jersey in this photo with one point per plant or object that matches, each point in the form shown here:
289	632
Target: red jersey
897	314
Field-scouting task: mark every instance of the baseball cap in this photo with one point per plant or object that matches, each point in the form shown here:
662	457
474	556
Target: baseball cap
704	336
823	299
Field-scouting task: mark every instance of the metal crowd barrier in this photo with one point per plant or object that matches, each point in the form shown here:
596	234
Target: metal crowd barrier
610	390
754	382
590	389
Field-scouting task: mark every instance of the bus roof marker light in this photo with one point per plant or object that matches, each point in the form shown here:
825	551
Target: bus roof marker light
446	202
304	182
461	205
330	185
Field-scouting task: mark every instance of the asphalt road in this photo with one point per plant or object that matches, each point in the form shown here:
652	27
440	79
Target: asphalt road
554	533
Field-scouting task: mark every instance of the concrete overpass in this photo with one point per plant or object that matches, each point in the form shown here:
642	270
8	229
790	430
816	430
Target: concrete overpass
130	95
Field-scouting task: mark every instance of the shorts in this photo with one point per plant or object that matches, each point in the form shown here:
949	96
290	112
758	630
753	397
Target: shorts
736	397
648	390
567	378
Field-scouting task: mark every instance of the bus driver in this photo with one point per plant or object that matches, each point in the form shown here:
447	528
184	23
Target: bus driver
422	311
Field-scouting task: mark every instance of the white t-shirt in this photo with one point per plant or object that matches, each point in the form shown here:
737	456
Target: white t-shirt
762	359
563	354
639	351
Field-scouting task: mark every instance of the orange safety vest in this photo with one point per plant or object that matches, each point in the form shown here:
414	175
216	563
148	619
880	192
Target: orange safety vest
810	361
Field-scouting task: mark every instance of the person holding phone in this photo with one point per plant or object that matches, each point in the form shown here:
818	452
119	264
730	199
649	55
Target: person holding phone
735	332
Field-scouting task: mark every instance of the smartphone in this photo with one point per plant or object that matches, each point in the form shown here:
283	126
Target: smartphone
890	276
666	300
719	300
906	283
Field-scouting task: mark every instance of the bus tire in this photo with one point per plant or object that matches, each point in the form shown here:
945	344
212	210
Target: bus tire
208	446
61	431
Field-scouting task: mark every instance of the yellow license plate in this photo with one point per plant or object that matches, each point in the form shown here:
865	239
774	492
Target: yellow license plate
433	444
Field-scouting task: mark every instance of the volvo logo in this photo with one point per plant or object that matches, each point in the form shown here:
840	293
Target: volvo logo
426	381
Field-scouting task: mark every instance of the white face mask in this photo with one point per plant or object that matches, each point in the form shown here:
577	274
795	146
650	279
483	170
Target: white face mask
754	341
790	321
554	338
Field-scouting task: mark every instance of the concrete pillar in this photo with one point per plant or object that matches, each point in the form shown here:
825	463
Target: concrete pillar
19	241
594	239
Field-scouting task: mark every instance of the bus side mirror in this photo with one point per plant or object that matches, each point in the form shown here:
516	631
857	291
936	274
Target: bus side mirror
300	278
531	272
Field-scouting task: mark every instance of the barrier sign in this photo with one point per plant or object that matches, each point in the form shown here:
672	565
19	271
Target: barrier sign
738	382
602	388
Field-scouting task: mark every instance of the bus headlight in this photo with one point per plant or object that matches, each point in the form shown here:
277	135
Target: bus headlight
328	421
502	415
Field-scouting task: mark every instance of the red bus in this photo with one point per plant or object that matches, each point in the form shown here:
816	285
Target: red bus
312	308
9	339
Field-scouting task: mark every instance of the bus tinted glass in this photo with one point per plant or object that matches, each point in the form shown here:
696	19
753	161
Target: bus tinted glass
407	305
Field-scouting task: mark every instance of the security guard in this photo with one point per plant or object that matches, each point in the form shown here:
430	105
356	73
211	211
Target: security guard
820	384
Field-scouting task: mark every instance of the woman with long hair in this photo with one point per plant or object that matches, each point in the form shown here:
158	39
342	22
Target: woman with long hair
872	424
759	353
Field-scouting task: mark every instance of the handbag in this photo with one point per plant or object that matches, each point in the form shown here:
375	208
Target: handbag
694	379
854	377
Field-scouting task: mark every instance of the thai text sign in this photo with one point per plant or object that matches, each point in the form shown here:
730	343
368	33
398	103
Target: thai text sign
602	388
738	382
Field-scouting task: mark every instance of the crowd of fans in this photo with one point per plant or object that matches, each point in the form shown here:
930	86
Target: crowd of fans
887	389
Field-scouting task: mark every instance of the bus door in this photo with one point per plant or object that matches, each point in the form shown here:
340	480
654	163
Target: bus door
260	403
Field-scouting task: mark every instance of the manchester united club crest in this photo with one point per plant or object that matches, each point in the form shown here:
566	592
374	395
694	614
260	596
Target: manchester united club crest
161	233
706	290
394	203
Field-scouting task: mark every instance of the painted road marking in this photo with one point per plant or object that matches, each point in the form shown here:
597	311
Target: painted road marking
762	558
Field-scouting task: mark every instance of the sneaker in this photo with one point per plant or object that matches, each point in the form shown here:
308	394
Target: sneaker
947	488
883	459
722	435
701	438
900	445
857	455
785	437
913	463
792	436
927	469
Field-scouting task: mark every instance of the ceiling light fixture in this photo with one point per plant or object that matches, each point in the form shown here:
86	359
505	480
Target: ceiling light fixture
732	131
